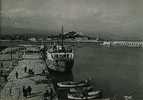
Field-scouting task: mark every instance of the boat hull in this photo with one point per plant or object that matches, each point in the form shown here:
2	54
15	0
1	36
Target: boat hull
68	65
90	95
71	84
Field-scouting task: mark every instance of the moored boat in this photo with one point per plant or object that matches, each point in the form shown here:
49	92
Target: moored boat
77	89
84	95
72	84
60	57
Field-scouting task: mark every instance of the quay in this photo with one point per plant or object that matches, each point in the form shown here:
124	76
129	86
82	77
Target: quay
38	81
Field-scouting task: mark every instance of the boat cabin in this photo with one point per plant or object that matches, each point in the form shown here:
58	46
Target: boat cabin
61	53
60	49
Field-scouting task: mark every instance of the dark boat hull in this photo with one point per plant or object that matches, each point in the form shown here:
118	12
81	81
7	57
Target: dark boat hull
66	68
89	95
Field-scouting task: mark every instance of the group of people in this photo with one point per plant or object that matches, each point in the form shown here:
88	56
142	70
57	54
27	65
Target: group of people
27	91
30	71
48	95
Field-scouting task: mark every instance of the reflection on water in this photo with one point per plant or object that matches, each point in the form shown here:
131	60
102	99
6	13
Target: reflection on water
60	77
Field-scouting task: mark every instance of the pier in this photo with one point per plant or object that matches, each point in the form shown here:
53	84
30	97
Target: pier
32	71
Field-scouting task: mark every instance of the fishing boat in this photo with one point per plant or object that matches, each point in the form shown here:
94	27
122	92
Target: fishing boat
84	95
59	57
72	84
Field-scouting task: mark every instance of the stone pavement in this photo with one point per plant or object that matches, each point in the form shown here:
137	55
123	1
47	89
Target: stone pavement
13	90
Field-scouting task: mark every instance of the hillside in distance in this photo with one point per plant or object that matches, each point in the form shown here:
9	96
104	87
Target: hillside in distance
72	34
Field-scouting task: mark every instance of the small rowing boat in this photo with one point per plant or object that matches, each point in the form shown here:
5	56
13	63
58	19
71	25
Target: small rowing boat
85	95
78	89
72	84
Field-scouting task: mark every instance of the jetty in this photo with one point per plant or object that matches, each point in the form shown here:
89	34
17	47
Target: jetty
30	71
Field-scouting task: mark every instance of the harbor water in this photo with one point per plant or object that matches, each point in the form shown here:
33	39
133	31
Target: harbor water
117	71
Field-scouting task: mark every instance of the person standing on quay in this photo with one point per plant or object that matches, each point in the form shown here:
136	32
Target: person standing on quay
5	77
10	90
51	93
24	92
16	74
25	69
29	89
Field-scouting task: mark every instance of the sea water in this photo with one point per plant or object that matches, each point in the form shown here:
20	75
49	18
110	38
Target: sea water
116	71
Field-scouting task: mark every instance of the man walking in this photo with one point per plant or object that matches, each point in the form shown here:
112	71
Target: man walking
16	74
5	77
24	92
51	93
29	89
25	69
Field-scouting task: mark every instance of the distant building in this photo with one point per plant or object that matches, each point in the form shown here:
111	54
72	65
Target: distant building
32	39
107	43
138	44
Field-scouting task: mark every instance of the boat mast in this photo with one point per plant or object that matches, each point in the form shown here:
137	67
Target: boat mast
97	37
62	32
58	36
11	53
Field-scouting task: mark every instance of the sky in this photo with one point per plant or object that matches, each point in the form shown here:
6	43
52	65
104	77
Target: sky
119	17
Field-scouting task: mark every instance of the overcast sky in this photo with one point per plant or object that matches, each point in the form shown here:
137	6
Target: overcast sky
123	17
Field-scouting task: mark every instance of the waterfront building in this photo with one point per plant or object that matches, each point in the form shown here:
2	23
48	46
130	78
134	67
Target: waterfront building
132	44
107	43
